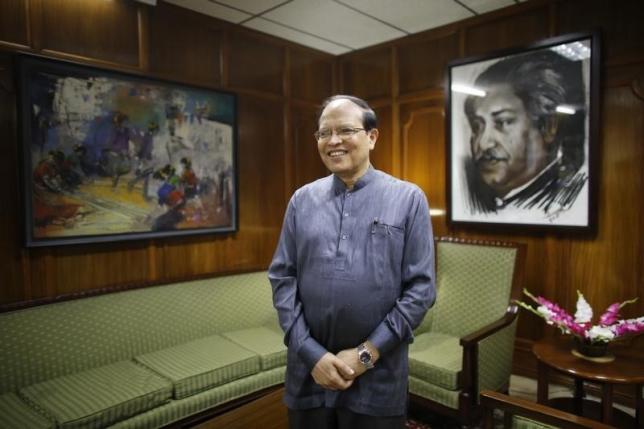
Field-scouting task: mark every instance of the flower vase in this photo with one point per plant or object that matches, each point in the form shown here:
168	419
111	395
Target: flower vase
595	352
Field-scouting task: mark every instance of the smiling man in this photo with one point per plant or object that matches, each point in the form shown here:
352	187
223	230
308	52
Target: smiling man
352	276
524	153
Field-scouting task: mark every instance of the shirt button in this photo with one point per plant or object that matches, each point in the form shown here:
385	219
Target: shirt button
344	236
346	214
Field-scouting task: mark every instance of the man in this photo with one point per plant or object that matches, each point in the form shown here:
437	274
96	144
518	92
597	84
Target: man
352	276
523	152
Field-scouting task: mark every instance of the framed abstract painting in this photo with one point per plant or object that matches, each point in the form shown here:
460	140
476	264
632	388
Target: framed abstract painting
522	136
109	156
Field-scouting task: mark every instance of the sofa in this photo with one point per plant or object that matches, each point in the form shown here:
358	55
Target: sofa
141	358
151	357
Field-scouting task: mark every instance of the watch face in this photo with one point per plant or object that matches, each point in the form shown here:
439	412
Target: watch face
365	357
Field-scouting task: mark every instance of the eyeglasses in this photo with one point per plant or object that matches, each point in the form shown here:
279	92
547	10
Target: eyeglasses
344	133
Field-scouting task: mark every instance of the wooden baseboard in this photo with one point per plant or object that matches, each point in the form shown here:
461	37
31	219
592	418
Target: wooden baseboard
259	410
267	412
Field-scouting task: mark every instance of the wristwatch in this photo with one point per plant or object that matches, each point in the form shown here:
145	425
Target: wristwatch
364	356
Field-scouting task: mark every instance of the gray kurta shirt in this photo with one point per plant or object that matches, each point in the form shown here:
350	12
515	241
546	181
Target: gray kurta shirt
353	266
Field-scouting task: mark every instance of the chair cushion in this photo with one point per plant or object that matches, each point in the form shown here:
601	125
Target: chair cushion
100	396
266	342
436	358
15	414
520	422
201	364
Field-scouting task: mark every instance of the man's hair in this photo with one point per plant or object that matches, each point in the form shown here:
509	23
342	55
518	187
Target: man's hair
369	119
543	81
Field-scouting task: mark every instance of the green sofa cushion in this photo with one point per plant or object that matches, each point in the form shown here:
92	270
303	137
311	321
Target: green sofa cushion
520	422
266	342
201	364
435	393
15	414
436	358
176	410
100	396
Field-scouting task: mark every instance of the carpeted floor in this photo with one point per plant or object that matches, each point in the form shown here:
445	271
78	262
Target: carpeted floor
414	424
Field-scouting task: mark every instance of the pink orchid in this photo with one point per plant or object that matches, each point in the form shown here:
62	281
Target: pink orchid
581	325
612	313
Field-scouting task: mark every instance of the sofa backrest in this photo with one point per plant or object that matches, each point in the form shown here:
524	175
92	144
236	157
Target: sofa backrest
474	283
43	342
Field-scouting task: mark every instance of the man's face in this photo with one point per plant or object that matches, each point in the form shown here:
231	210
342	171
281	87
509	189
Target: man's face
348	158
507	147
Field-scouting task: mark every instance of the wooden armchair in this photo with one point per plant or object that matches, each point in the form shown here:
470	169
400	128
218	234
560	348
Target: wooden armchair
466	341
519	413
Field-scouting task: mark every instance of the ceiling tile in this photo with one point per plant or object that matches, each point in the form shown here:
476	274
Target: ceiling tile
482	6
252	6
412	15
334	22
212	9
277	30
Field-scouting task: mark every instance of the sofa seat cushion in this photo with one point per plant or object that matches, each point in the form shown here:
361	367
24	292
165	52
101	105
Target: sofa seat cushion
15	414
100	396
267	342
436	358
201	364
520	422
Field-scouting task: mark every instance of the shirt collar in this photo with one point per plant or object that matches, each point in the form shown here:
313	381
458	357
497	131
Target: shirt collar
339	186
501	202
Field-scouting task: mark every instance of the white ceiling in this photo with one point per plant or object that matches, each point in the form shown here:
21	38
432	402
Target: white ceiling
341	26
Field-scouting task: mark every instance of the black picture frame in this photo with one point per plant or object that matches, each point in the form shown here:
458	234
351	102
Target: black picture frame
112	156
522	137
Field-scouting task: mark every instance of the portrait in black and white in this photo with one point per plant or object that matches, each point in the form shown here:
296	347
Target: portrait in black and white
520	137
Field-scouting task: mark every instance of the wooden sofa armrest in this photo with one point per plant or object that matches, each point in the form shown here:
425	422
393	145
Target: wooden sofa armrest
469	371
470	339
491	400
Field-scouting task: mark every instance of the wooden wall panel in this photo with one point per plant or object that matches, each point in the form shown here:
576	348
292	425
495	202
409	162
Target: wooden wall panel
99	30
190	47
13	22
311	75
382	157
105	265
255	64
180	45
367	73
11	274
619	241
261	163
507	32
620	23
421	63
307	165
423	153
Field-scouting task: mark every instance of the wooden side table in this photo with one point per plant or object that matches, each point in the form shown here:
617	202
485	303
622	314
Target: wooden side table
557	356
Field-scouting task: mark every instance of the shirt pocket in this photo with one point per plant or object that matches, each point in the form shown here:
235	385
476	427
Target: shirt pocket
387	241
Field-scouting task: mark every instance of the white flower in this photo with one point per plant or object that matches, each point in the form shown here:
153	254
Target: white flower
600	333
547	314
584	313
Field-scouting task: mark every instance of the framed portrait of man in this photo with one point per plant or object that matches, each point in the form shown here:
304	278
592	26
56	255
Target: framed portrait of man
522	130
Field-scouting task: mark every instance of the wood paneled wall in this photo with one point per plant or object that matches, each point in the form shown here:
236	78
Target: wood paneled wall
279	85
606	267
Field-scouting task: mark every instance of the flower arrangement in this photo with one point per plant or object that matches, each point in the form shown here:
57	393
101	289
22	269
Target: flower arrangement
581	326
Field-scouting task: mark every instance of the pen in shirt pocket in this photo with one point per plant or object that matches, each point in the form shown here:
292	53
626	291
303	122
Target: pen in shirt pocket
374	225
